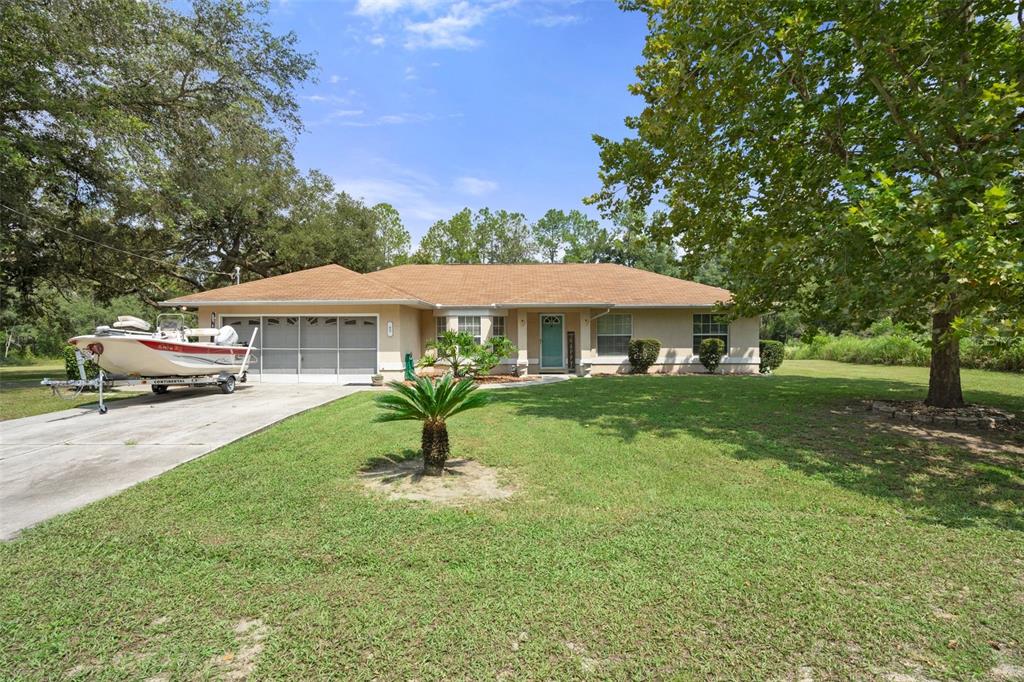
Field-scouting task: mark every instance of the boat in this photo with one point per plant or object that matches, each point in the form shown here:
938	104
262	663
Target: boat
131	347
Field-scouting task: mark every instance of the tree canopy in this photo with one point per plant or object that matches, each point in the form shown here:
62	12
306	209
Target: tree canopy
147	149
851	159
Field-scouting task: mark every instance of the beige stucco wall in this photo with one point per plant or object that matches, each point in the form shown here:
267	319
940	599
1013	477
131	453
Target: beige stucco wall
673	327
413	327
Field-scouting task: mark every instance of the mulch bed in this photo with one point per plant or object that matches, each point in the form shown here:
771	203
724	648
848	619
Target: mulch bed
973	416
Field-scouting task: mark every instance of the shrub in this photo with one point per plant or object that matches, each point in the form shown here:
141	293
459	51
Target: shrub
772	353
92	370
643	353
464	356
711	352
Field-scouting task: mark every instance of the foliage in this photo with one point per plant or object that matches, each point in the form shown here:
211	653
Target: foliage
391	234
106	108
58	315
92	370
559	234
710	353
485	237
464	357
781	325
831	150
772	354
433	403
643	353
903	348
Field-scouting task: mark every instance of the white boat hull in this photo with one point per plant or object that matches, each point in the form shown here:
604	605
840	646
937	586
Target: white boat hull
147	357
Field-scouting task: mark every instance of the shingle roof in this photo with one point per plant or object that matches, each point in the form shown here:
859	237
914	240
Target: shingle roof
325	283
539	283
593	284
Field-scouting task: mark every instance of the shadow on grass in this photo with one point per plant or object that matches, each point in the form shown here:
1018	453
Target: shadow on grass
806	423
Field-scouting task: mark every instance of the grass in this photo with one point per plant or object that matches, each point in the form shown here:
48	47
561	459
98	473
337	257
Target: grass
691	527
22	396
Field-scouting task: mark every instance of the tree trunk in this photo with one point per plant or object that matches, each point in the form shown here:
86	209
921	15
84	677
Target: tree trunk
435	447
944	375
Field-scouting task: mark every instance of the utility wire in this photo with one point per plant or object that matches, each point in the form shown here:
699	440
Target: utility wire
114	248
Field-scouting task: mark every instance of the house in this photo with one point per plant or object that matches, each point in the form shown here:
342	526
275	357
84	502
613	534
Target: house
330	324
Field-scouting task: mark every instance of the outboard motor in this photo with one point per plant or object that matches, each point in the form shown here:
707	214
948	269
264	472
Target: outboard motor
227	336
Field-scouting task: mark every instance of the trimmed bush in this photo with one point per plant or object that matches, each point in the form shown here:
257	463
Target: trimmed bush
92	370
643	353
772	353
711	352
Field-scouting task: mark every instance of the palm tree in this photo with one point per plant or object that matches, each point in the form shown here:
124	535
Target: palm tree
432	403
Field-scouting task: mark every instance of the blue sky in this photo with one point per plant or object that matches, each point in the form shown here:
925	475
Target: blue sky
433	105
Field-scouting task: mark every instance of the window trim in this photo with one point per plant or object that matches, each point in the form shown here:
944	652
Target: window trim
478	336
504	326
440	326
598	334
715	318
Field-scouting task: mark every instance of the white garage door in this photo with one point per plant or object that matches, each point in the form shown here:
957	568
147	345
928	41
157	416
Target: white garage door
311	348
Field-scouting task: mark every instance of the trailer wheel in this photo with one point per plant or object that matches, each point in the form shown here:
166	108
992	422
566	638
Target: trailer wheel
228	385
159	389
103	409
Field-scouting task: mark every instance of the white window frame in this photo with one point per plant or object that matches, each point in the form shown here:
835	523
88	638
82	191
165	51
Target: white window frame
715	318
477	337
597	346
440	326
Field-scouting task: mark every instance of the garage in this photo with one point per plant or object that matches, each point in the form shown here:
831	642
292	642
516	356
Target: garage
310	348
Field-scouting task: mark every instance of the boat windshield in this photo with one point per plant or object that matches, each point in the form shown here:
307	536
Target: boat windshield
171	324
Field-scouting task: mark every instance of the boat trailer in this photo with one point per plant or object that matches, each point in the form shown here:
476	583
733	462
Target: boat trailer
160	385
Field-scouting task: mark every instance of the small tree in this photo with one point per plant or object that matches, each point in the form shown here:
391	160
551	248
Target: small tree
433	403
464	356
711	352
643	353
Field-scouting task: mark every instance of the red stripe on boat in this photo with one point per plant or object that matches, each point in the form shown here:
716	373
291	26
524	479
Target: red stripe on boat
189	348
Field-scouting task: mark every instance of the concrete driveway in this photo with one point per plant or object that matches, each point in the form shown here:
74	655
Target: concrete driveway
53	463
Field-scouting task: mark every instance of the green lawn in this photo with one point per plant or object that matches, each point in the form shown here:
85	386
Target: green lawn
690	527
22	396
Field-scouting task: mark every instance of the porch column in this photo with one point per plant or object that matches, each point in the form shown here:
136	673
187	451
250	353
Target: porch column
586	353
522	342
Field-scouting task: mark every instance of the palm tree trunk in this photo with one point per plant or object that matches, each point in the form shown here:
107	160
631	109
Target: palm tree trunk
435	447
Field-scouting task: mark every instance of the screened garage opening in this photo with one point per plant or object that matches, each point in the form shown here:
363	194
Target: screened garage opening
310	348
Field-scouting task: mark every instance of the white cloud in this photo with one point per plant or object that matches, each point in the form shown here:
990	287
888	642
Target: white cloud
554	20
372	8
410	73
449	30
378	40
475	186
413	194
335	78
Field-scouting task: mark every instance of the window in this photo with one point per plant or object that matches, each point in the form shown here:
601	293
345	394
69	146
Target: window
471	325
497	326
710	327
613	333
440	326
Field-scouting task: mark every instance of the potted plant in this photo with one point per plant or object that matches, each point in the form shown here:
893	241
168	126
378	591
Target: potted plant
377	379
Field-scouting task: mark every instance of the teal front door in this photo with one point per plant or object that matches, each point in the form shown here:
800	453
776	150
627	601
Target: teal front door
551	355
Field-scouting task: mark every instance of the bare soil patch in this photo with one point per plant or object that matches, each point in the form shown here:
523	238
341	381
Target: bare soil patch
464	482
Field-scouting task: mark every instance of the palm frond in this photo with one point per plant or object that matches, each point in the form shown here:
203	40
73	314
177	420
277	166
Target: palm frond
428	399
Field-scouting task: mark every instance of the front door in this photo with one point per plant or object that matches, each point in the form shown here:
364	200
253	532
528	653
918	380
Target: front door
551	349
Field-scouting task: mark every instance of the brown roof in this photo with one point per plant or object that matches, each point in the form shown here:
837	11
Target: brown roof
593	284
326	283
540	283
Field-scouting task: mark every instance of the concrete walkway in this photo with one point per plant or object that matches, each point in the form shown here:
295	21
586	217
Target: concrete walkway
53	463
